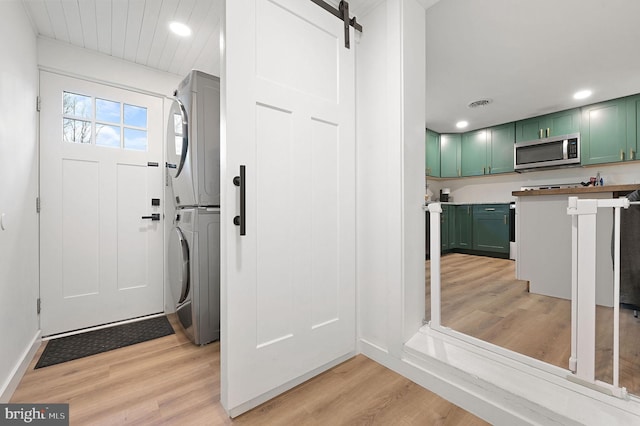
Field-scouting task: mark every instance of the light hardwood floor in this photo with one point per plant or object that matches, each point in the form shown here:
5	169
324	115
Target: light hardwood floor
481	298
170	381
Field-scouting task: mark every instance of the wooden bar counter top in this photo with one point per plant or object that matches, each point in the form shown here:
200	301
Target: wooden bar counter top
579	190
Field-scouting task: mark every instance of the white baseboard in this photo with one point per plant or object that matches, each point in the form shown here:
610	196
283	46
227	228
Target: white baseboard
12	382
480	398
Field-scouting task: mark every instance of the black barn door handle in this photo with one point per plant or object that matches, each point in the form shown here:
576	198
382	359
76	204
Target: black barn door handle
241	220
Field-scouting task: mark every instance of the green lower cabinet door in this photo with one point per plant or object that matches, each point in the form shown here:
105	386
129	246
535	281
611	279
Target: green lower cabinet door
463	226
444	228
491	227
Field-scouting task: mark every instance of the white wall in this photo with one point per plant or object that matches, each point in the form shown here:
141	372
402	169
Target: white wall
77	62
378	192
390	129
18	191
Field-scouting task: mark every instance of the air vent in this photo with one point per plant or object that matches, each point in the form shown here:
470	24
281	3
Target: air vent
479	103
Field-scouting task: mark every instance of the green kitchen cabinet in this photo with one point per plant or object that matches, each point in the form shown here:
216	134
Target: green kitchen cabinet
491	228
474	153
603	136
450	150
633	126
500	143
463	225
445	227
432	154
544	126
488	151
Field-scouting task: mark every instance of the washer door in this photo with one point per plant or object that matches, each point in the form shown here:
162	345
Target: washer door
178	266
177	138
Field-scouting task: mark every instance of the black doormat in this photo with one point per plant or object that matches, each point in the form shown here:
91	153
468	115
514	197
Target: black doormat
94	342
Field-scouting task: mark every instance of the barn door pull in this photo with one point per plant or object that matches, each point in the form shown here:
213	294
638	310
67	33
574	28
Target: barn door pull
241	220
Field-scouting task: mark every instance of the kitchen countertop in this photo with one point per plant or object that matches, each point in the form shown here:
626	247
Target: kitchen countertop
455	203
579	190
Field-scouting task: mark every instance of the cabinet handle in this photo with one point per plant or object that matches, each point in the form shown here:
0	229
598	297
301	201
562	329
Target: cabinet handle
548	132
505	219
489	169
484	170
540	133
632	154
491	209
622	155
459	173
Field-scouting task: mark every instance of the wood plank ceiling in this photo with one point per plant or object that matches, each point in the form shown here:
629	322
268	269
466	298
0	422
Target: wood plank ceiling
135	30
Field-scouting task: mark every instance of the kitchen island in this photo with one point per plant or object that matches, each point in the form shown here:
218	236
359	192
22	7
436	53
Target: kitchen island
543	234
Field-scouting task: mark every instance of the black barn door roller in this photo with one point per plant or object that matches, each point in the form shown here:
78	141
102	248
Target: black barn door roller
341	13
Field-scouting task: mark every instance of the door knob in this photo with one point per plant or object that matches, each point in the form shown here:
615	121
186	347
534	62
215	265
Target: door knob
153	217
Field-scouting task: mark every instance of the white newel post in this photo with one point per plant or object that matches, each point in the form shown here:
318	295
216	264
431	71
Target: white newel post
435	210
584	329
583	301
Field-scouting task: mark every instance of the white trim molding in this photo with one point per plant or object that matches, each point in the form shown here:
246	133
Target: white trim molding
12	382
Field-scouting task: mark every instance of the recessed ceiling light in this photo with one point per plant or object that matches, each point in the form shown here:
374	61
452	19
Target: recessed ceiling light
582	94
462	124
179	28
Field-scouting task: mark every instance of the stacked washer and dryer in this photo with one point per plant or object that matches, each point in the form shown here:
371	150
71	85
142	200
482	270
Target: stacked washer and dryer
193	162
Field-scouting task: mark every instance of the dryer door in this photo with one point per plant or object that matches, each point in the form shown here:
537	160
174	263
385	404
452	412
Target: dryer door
178	266
177	138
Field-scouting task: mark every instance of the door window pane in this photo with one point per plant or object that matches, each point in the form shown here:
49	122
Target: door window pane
76	131
135	116
108	135
135	139
107	111
76	105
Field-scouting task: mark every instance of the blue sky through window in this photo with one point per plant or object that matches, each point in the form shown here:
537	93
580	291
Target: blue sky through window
135	116
107	111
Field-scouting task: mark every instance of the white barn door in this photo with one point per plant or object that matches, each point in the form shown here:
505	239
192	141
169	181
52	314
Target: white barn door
288	285
100	168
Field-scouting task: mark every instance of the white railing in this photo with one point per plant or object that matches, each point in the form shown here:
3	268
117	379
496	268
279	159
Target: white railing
583	288
435	210
583	214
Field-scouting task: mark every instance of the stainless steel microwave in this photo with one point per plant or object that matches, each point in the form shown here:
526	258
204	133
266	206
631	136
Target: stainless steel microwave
552	152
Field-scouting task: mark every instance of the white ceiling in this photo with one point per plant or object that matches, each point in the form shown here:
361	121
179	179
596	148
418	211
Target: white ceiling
529	57
135	30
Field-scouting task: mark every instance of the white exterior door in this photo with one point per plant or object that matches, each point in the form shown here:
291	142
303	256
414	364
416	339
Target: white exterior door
288	285
100	168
